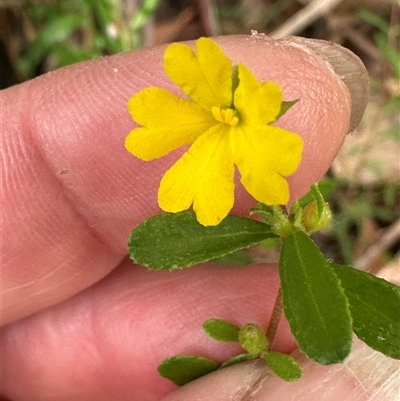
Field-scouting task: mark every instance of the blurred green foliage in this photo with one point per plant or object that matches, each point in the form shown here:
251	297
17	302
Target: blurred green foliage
354	205
69	31
385	31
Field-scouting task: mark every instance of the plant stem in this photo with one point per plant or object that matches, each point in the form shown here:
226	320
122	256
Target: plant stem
275	318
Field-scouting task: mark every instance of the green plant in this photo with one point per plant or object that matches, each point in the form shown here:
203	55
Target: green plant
69	31
230	111
323	302
354	206
386	39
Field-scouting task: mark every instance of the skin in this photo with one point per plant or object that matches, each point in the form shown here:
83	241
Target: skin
81	322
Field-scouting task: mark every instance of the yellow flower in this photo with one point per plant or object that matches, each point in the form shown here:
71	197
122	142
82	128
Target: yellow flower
227	122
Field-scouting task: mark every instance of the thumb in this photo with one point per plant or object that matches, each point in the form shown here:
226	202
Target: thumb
366	375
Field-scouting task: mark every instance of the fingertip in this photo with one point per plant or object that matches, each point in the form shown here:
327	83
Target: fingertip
348	67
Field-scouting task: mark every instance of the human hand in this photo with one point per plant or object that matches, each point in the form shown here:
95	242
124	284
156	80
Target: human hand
83	323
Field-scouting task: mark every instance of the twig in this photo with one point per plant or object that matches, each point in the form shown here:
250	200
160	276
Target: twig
389	237
209	18
304	18
170	31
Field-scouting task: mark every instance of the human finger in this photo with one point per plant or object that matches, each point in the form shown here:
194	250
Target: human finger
106	342
71	191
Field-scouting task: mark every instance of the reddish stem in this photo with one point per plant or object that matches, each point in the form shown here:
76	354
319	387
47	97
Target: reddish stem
277	312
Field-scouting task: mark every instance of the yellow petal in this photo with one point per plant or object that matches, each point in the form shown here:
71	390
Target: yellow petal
205	77
203	176
264	157
256	102
169	121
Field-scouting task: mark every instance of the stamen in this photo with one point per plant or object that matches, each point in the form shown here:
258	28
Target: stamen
227	116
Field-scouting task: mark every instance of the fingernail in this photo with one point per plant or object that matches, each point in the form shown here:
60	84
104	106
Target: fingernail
348	67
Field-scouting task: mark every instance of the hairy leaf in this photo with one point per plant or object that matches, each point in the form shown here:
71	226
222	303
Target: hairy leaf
286	105
182	369
221	330
314	301
286	367
375	309
173	241
238	359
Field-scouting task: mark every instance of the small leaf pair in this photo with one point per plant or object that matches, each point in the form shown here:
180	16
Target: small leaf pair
184	368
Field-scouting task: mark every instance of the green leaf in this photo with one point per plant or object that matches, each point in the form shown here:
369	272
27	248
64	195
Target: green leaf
326	186
221	330
235	81
238	359
265	211
182	369
59	29
319	199
272	243
374	20
238	258
174	241
146	10
286	367
375	309
53	34
285	107
314	301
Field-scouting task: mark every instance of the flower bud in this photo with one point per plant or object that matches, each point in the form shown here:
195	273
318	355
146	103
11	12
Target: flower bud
316	218
253	339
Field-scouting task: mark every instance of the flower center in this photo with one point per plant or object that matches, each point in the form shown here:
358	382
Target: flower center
227	116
